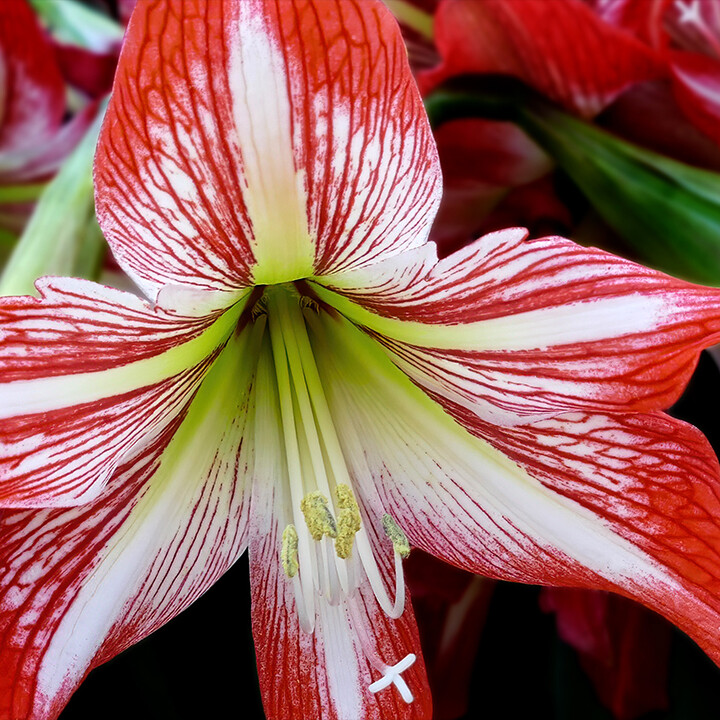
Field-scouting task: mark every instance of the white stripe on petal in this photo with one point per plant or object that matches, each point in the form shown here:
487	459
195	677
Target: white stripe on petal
43	394
578	322
182	531
274	187
454	492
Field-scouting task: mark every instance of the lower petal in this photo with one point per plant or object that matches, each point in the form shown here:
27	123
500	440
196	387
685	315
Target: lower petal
628	503
78	586
357	662
329	673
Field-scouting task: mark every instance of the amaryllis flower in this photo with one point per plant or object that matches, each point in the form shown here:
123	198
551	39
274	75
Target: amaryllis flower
309	383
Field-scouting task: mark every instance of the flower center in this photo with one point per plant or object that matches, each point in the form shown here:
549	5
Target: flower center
325	551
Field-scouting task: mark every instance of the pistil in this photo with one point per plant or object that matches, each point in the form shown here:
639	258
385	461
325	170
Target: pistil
317	551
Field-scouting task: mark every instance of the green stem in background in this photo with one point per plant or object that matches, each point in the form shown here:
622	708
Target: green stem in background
62	236
11	194
667	212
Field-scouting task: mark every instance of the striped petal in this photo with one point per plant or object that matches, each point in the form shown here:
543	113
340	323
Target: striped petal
628	503
262	142
513	329
336	672
327	675
89	376
79	585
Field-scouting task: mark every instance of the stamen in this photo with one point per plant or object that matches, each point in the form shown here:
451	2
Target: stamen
396	535
303	583
309	303
393	610
318	518
289	551
392	677
348	521
317	470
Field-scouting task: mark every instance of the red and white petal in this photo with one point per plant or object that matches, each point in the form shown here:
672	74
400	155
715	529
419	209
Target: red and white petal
77	586
514	329
262	142
628	503
32	92
326	674
552	45
89	375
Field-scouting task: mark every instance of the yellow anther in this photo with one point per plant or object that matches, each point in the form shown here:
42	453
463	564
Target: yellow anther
348	521
289	551
396	535
318	518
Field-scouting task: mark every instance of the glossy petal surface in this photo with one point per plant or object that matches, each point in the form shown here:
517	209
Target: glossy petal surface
513	328
222	110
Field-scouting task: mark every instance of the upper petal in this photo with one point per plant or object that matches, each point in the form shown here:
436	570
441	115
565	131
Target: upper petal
262	142
511	329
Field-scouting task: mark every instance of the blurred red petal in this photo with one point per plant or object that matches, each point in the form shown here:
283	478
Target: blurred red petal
552	45
623	647
696	81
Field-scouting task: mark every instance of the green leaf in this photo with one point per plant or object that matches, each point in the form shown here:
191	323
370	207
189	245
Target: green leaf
667	212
